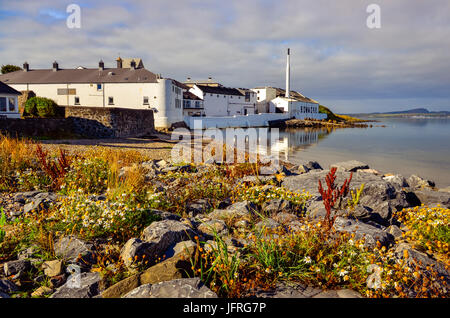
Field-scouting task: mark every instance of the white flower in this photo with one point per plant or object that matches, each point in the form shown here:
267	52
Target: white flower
307	260
343	272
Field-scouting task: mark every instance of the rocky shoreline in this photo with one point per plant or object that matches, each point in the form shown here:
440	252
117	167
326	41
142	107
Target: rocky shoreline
310	123
173	241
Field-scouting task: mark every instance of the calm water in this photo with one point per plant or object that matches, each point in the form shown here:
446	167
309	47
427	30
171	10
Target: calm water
406	145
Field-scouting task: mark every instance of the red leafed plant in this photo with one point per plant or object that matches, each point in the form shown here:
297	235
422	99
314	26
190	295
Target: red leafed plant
332	197
56	170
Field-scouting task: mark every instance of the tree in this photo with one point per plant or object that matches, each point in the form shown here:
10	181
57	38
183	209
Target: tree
10	68
40	107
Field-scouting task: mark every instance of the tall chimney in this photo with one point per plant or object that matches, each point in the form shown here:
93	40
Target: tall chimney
119	62
133	64
288	73
26	67
101	65
55	66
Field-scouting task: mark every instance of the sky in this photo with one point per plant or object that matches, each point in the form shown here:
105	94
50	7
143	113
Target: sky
335	58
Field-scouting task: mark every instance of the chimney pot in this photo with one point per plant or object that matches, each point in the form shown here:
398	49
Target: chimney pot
119	63
26	67
55	66
101	65
133	64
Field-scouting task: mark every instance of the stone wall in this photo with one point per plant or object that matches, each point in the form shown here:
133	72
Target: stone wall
110	122
22	99
37	127
90	122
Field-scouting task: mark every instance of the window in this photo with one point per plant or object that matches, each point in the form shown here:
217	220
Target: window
110	100
247	96
77	100
99	87
197	104
177	103
2	104
145	100
12	104
186	104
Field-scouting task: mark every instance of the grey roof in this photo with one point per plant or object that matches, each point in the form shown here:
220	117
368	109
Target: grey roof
5	89
88	75
220	90
189	95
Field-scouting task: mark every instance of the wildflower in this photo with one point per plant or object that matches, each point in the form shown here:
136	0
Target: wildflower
307	260
343	272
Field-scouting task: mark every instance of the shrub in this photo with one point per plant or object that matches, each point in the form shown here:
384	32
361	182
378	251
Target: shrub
40	107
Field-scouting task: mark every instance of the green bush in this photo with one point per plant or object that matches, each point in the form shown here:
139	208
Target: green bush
40	107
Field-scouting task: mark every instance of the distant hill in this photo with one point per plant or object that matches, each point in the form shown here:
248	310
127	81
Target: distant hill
409	112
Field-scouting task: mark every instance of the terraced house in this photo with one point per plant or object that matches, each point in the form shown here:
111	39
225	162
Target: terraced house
128	85
8	101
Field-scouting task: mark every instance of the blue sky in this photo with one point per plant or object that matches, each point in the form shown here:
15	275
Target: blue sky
335	58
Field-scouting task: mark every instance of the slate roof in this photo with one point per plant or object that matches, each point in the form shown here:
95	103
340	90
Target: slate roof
219	90
5	89
88	75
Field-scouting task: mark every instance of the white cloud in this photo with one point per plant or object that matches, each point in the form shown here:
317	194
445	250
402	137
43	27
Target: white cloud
335	57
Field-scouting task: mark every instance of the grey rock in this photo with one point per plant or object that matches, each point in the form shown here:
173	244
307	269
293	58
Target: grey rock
84	285
22	197
430	197
52	268
166	215
351	165
267	223
397	180
213	226
198	207
417	182
238	210
178	288
348	293
285	218
327	294
277	206
27	253
446	189
156	239
37	205
72	249
417	258
395	231
370	233
15	267
7	286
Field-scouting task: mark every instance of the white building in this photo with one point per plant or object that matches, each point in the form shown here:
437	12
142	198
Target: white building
276	100
224	101
128	85
9	106
192	105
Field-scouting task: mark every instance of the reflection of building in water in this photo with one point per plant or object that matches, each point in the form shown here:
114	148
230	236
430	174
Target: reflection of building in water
295	140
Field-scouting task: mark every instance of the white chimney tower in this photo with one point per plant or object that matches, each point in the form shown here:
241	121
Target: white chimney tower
288	73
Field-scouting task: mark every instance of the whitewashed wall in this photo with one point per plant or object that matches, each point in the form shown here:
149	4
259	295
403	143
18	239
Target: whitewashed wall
161	95
256	120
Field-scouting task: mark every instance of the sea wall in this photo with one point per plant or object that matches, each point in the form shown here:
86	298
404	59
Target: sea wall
90	122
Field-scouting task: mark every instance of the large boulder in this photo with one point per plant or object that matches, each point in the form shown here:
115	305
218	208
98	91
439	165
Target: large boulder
430	197
84	285
417	182
155	240
239	210
276	206
369	233
72	249
178	288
